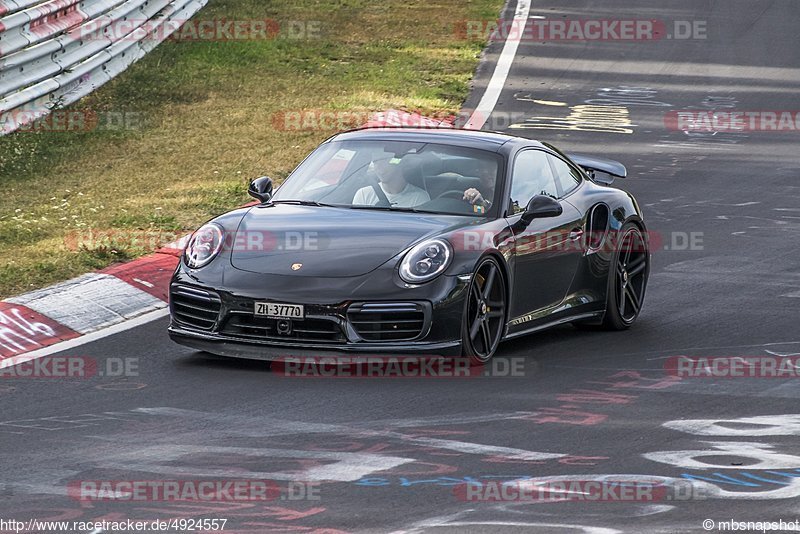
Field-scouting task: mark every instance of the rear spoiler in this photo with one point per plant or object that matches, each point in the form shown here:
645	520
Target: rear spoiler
600	170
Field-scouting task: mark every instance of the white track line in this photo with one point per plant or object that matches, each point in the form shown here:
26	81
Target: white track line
82	340
501	70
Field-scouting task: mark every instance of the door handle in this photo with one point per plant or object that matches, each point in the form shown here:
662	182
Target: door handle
576	234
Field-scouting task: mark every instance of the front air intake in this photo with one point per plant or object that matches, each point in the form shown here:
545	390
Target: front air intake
393	321
193	307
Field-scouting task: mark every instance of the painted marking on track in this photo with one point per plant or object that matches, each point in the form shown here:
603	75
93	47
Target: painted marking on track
550	103
163	459
762	425
502	68
584	118
22	329
461	519
760	455
474	448
782	354
686	349
626	95
752	479
528	97
88	338
446	420
70	422
255	427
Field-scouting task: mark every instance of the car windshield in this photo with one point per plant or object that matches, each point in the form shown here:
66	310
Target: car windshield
396	175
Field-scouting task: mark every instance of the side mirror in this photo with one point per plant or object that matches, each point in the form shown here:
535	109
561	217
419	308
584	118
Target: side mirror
261	188
540	207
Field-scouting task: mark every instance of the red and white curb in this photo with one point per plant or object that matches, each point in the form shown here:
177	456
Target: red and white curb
118	298
55	317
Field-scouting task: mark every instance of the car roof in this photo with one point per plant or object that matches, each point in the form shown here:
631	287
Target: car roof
446	136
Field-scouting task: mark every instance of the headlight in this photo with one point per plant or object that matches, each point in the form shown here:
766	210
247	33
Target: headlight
426	261
203	245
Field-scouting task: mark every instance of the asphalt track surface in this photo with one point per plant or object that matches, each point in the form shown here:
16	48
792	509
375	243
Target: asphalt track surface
393	452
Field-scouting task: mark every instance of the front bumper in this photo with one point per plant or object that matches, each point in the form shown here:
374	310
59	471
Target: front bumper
375	320
271	350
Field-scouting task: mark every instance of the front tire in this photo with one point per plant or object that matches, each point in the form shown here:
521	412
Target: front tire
627	279
484	312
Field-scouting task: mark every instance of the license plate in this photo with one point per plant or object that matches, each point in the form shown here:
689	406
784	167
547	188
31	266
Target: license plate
276	310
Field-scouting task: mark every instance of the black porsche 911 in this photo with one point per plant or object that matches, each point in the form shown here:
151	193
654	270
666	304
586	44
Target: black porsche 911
414	241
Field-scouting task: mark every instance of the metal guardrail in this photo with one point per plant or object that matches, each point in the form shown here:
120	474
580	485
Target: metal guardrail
53	52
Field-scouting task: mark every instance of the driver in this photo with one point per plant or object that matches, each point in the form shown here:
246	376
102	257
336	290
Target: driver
394	185
486	170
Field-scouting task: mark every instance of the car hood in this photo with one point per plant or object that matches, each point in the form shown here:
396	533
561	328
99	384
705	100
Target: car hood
328	242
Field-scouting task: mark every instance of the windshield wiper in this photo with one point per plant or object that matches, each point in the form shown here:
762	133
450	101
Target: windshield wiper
304	203
389	208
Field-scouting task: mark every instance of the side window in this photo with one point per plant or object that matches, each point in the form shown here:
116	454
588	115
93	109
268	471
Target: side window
567	177
532	176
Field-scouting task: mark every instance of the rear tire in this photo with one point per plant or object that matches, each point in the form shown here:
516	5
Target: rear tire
484	318
627	279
